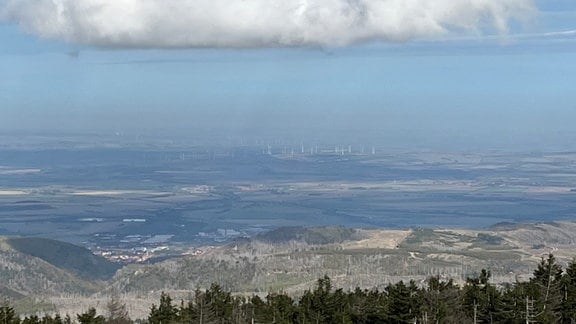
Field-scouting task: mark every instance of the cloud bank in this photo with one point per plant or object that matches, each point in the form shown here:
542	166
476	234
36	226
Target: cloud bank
257	23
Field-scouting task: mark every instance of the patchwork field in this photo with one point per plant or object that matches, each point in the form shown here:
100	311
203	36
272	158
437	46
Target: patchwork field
208	195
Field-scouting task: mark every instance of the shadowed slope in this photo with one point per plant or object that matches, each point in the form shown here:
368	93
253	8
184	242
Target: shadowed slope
72	258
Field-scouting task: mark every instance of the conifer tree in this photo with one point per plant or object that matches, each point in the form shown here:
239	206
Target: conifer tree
547	290
220	304
568	307
400	308
7	315
443	302
280	308
481	300
165	313
90	317
32	319
117	313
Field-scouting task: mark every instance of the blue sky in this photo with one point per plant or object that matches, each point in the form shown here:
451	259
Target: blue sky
523	83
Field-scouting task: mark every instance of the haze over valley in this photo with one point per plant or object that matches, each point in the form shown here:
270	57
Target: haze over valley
124	201
152	147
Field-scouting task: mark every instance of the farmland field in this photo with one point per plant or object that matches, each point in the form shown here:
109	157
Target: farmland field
123	196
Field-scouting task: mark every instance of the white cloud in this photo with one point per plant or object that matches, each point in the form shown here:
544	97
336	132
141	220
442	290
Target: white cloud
257	23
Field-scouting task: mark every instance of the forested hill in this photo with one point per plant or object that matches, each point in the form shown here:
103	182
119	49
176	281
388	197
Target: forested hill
548	297
290	260
77	260
310	235
37	267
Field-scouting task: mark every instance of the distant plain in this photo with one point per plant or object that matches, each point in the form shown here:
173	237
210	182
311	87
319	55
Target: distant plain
191	194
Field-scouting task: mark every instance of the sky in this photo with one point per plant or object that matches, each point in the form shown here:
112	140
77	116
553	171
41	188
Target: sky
499	73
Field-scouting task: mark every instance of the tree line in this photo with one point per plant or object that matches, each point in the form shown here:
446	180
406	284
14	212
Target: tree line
548	297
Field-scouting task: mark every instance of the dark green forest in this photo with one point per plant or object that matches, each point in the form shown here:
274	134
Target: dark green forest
548	297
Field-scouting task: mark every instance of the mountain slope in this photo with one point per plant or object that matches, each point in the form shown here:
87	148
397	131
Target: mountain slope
32	267
66	256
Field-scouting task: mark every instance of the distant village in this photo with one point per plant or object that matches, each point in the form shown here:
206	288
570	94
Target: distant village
147	248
